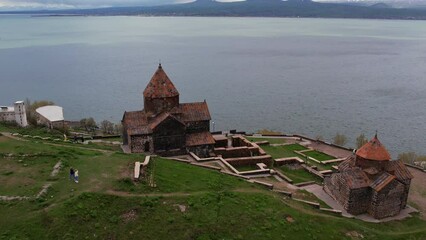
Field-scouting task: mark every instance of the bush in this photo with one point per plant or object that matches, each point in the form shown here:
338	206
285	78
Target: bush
340	139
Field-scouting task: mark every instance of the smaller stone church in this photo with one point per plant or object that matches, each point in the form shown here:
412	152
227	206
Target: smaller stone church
165	126
370	182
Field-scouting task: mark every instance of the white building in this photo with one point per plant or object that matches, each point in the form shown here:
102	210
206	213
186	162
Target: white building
14	114
51	116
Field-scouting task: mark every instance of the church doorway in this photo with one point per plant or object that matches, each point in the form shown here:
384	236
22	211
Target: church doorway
146	147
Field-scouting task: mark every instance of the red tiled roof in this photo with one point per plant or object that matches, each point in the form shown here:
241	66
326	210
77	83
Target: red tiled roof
136	118
398	169
160	86
356	178
202	138
382	181
136	123
374	150
192	112
348	163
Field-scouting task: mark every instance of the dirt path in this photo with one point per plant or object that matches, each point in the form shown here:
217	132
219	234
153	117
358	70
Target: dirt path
9	135
417	193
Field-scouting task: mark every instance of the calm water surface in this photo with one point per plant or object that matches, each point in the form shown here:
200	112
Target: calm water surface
310	76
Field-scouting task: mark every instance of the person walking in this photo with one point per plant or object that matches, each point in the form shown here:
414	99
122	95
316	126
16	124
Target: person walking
76	176
72	173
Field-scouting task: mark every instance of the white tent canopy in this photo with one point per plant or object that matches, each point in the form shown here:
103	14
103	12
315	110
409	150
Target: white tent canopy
51	113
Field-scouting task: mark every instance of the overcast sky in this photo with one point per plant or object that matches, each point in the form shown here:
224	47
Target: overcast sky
66	4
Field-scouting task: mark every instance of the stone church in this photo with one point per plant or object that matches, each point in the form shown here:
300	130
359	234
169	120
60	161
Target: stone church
370	182
165	126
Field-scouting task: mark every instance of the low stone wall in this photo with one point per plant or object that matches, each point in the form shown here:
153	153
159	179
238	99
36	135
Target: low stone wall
289	160
268	185
253	172
414	166
337	160
302	184
221	143
262	143
235	175
250	161
206	166
234	152
313	171
313	204
281	175
172	152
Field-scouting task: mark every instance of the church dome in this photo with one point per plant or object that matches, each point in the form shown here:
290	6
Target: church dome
160	86
374	150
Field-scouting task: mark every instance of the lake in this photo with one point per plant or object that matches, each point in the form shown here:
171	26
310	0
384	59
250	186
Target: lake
308	76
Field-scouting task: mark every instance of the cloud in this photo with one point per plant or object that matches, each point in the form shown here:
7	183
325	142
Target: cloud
69	4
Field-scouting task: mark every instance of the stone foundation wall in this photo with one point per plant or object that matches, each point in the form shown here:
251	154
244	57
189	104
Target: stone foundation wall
388	202
235	152
238	141
221	143
250	161
404	197
359	201
137	143
355	201
203	151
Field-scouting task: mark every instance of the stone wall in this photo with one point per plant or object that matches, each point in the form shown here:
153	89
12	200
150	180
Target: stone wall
201	126
235	152
355	201
158	105
359	200
404	197
388	201
222	143
203	151
250	161
125	136
138	142
170	134
364	163
238	141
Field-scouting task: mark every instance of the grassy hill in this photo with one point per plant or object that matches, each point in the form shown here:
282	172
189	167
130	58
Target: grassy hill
188	202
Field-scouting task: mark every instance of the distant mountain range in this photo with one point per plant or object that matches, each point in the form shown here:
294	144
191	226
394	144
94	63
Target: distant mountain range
255	8
389	3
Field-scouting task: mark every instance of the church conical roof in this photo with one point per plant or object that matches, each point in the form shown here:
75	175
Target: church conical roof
374	150
160	86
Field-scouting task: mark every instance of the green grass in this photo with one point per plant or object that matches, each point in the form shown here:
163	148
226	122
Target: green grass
319	165
320	156
298	175
172	176
24	176
283	151
218	206
247	168
288	151
270	140
31	130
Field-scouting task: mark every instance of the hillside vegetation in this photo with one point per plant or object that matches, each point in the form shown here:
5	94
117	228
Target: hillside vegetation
187	202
